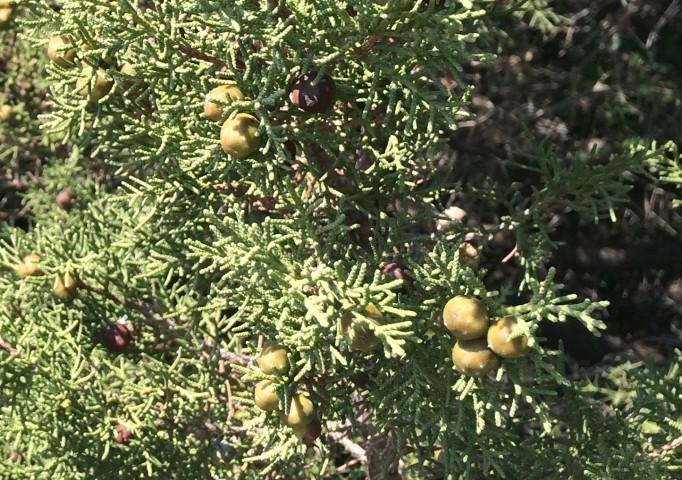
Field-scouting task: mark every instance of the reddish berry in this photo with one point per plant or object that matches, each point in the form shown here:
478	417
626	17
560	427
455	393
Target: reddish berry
117	337
398	271
123	434
65	200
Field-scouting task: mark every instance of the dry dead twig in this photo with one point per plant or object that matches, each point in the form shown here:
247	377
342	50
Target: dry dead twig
666	448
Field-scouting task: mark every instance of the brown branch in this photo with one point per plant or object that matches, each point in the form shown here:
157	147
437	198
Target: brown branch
368	46
7	347
190	52
231	409
373	40
666	448
353	448
670	13
513	254
346	467
134	305
227	355
13	184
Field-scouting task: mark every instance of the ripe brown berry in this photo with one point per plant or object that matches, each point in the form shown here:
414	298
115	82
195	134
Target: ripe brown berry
474	358
59	52
123	434
116	337
222	93
273	359
499	342
65	200
311	95
466	318
238	135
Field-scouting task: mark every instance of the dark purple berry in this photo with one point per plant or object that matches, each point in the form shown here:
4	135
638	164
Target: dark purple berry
290	147
313	96
363	229
117	337
363	160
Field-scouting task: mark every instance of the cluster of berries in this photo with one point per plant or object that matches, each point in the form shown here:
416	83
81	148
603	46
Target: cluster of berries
301	416
94	83
239	134
480	345
65	285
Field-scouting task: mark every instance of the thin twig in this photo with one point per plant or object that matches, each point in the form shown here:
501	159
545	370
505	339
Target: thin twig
208	349
373	40
353	448
191	52
513	254
367	47
13	184
134	305
343	468
666	448
670	13
227	355
7	347
231	410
